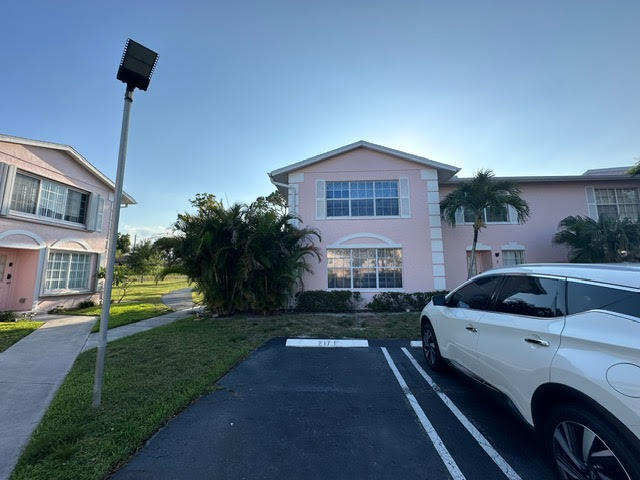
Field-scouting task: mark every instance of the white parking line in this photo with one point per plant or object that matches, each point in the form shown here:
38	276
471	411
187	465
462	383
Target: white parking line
416	343
482	441
326	343
446	457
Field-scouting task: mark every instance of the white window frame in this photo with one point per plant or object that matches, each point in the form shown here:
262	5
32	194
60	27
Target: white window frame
91	283
44	218
374	198
517	251
617	200
377	268
484	214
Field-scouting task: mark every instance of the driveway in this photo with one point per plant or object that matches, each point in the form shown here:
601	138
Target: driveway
342	412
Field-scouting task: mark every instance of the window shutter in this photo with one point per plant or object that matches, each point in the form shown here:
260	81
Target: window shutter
99	214
592	207
94	216
404	197
459	216
512	214
294	204
321	199
7	178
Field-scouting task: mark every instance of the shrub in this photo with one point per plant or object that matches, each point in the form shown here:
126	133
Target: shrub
401	302
325	301
87	304
8	317
57	310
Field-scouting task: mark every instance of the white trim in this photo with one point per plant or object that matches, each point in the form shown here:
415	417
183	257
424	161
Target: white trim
432	186
512	246
80	242
437	246
42	259
128	199
438	270
479	247
35	237
325	343
385	241
435	221
428	174
433	197
296	178
437	257
436	233
440	283
371	146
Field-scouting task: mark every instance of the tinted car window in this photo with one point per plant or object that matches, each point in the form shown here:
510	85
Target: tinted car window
532	296
475	295
582	297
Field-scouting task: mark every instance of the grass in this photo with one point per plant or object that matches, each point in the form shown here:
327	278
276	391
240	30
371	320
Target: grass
11	332
152	376
143	300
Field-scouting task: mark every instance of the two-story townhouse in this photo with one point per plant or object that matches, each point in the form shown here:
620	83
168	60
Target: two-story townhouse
54	225
377	210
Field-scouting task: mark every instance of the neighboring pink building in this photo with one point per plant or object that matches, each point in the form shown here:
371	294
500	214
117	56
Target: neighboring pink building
54	224
377	210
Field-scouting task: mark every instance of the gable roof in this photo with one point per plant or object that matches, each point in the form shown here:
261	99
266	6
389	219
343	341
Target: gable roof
444	171
83	162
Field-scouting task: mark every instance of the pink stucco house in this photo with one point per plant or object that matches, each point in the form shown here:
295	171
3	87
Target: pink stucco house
54	224
378	212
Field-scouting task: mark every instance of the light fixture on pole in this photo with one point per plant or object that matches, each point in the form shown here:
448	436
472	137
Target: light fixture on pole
136	68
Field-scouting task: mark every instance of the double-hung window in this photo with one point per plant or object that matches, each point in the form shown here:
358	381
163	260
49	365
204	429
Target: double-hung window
512	257
364	268
67	271
490	214
47	199
618	203
363	199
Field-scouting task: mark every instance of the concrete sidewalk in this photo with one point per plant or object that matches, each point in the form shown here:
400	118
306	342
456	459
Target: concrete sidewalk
31	371
179	299
141	326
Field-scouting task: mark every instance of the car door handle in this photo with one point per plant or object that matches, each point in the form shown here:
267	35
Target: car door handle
471	328
537	341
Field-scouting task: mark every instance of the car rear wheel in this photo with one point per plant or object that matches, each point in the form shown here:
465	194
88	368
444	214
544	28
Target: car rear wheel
430	347
585	447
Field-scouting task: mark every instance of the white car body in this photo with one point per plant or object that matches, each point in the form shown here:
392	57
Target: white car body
594	352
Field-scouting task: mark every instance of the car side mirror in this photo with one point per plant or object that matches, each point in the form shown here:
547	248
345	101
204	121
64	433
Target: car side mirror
439	300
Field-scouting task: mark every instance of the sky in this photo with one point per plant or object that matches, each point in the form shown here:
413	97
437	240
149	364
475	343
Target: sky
244	87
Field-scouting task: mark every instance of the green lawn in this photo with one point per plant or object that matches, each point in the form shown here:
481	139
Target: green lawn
153	375
11	332
143	300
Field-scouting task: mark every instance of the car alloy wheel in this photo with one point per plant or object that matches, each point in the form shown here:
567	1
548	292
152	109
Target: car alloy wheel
429	346
582	455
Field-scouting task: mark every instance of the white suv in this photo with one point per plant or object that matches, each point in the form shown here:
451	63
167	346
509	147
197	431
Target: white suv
562	342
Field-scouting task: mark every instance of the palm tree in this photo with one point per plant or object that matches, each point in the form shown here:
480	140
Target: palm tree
599	241
477	196
242	257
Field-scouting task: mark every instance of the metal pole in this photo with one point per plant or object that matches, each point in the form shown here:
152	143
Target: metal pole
111	254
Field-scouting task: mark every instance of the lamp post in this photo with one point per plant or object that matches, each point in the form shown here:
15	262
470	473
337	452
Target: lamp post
136	68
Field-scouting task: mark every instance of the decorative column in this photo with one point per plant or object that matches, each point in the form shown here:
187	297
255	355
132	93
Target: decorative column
435	228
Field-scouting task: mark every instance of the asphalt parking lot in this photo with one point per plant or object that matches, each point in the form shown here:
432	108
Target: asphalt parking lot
357	412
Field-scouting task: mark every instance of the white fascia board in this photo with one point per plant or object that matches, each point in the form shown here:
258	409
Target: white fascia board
128	199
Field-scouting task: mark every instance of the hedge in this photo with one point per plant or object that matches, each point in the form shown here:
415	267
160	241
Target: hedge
327	301
402	302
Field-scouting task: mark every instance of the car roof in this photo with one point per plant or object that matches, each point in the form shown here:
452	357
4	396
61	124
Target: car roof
623	274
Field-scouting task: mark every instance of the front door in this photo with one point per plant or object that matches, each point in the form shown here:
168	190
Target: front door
520	333
7	263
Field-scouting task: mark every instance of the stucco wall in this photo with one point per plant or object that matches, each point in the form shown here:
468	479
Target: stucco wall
58	166
411	233
549	204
